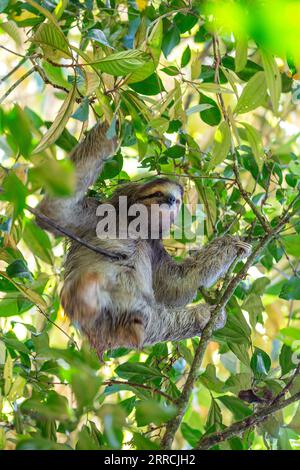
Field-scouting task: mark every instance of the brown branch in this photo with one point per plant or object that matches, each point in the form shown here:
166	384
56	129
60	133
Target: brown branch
145	387
239	427
182	402
72	236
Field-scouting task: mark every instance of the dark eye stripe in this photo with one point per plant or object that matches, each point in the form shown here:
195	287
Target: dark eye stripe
149	196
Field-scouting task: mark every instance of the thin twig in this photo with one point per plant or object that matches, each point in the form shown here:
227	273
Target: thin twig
57	326
20	80
13	70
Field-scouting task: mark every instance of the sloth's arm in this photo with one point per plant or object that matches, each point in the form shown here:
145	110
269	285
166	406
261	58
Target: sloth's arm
89	156
176	283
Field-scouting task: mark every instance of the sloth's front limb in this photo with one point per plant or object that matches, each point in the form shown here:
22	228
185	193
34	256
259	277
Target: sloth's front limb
78	211
169	324
176	283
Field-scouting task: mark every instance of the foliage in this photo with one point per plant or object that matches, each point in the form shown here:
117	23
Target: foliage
206	92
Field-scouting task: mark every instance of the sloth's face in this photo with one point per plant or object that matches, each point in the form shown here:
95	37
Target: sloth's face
163	198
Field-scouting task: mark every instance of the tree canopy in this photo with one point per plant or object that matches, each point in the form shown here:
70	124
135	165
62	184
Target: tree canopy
205	92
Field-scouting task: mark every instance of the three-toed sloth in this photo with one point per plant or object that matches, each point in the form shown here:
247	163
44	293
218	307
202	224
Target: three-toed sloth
142	299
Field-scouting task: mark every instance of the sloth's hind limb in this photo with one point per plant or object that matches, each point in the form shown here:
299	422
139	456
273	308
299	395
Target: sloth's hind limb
174	324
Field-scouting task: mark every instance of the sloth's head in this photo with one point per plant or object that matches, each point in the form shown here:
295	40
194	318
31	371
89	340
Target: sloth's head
161	197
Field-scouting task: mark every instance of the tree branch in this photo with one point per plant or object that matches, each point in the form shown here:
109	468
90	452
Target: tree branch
239	427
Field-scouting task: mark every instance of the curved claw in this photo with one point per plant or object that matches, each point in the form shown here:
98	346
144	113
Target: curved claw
246	247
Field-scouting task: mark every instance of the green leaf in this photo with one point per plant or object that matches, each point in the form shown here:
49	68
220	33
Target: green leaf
151	411
214	415
241	352
221	146
260	363
292	244
248	71
86	441
236	331
82	112
213	88
284	439
54	24
191	435
59	122
237	382
3	5
53	406
290	334
9	307
38	241
236	406
171	39
253	95
211	116
171	70
15	344
19	269
285	359
291	289
210	380
185	22
143	443
186	56
254	139
241	51
130	370
295	423
259	285
121	63
152	85
12	30
39	443
56	176
55	75
176	151
273	78
85	387
98	36
19	126
14	191
254	306
52	41
112	167
153	48
41	343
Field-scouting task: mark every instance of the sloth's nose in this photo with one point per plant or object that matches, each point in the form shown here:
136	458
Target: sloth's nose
171	199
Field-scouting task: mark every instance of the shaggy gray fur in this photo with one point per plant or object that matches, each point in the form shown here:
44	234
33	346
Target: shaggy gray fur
142	300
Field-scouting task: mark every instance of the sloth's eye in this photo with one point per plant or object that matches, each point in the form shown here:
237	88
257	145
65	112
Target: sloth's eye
157	194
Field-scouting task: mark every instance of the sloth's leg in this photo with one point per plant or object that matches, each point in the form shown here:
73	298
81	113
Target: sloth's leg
169	324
